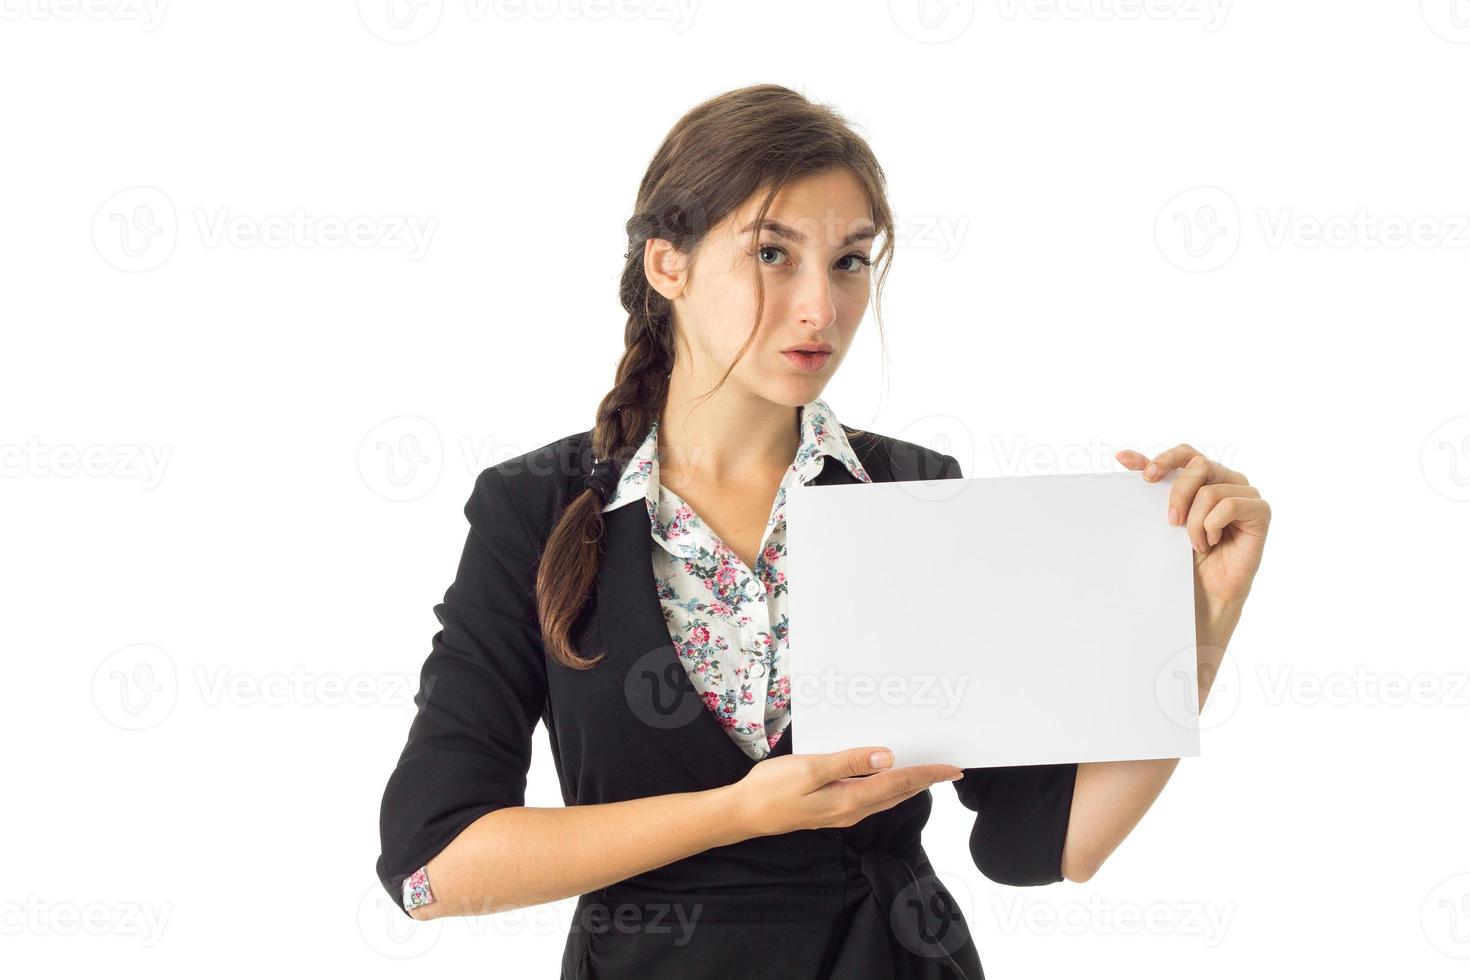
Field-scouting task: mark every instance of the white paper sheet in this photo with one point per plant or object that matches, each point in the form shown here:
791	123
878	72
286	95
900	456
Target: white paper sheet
992	621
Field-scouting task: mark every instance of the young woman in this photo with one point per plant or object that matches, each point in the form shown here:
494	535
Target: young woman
627	587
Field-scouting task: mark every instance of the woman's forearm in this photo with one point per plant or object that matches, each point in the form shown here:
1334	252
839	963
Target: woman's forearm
519	856
1110	798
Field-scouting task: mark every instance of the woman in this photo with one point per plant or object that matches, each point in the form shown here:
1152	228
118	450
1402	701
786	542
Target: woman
627	587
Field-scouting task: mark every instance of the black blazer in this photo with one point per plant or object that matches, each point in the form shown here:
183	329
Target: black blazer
852	902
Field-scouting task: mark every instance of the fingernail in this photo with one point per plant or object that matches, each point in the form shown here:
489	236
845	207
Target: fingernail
958	775
880	760
1150	471
1173	515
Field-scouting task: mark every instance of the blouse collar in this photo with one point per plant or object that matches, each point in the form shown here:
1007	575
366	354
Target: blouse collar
821	435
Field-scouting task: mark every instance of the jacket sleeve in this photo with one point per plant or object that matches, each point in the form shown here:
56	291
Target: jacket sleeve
482	689
1022	811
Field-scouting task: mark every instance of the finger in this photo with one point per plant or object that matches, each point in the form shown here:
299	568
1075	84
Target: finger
858	794
1167	461
1198	471
1131	458
936	772
854	762
889	803
1250	515
848	814
1171	459
896	782
888	799
1195	474
1205	502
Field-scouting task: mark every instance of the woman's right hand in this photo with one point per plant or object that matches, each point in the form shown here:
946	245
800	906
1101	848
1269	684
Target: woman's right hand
835	789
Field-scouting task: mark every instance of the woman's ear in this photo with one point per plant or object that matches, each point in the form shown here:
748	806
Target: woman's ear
665	267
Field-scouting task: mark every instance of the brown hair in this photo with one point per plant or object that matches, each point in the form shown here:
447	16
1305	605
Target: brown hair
714	159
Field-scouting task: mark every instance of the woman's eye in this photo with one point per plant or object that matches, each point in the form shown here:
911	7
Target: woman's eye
858	257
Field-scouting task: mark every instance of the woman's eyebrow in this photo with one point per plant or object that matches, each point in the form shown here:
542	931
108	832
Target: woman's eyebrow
784	231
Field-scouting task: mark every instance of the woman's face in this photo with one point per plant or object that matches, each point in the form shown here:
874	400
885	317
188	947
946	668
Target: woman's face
813	253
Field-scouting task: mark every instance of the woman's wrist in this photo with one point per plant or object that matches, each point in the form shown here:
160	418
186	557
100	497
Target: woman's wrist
1214	624
732	812
1215	619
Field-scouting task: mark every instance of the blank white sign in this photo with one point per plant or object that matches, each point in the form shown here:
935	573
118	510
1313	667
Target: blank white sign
992	621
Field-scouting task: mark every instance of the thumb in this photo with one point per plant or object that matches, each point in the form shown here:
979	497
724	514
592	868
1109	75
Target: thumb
860	762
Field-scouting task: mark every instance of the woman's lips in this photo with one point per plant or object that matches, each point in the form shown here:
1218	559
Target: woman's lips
805	361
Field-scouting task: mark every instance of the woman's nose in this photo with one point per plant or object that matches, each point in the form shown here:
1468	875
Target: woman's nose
814	300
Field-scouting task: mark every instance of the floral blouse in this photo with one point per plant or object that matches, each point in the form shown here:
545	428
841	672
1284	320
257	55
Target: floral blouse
727	621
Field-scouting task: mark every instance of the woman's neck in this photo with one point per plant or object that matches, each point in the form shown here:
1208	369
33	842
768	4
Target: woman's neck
727	436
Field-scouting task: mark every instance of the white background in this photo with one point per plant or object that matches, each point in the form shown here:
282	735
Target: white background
1107	240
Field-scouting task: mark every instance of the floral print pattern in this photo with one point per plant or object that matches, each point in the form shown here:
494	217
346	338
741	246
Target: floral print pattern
416	889
727	621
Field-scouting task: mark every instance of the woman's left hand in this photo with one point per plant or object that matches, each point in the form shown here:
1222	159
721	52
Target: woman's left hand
1226	518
